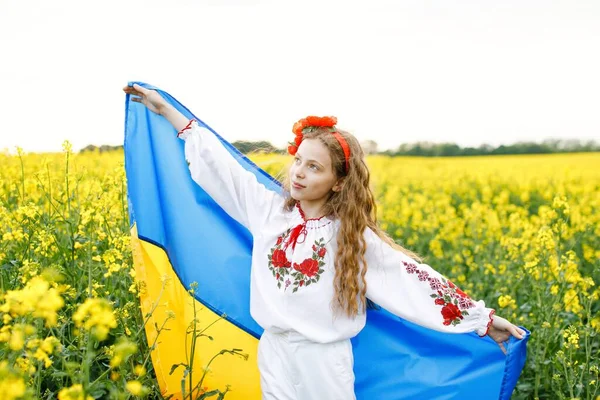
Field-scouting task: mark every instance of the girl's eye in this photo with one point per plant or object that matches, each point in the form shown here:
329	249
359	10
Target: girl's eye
313	166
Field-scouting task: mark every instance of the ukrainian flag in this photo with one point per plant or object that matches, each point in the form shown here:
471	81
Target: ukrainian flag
181	236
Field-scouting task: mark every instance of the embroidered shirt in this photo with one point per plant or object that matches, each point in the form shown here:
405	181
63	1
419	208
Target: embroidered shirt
292	272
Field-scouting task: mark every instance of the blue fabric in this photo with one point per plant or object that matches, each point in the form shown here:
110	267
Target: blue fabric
394	359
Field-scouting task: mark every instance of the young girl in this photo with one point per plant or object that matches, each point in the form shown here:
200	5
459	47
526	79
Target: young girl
318	255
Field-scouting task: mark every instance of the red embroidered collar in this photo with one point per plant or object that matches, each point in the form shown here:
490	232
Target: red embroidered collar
300	229
299	207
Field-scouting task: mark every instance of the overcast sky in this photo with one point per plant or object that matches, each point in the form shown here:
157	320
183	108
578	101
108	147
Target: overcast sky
467	72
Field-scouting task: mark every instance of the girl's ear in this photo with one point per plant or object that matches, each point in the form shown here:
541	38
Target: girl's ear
338	185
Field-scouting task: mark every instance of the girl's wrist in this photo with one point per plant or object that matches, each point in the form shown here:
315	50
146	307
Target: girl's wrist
164	109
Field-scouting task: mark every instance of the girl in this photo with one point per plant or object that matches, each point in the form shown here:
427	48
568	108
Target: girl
318	255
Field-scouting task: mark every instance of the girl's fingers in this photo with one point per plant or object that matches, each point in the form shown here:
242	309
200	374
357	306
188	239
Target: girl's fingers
140	89
515	332
132	91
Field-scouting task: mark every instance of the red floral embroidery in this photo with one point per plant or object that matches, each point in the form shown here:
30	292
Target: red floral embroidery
454	301
450	312
278	263
279	259
309	271
303	274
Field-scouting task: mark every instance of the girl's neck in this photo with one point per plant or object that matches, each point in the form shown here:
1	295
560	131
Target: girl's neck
311	210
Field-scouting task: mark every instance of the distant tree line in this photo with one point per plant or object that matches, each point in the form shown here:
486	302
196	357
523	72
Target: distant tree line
101	149
428	149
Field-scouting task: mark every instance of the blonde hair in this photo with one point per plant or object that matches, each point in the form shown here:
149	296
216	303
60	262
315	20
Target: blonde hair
354	205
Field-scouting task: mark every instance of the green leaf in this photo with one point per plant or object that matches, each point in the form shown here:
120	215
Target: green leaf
99	391
209	394
174	367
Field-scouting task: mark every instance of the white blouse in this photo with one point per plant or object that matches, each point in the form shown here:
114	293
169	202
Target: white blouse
292	282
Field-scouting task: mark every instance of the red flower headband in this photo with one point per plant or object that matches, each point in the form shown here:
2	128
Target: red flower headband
318	122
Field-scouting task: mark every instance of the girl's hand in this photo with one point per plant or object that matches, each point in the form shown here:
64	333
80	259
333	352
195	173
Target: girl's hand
149	98
501	329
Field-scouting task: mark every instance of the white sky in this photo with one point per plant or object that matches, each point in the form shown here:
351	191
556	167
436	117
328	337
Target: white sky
468	72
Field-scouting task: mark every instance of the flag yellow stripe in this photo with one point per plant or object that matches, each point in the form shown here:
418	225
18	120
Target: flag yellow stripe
161	292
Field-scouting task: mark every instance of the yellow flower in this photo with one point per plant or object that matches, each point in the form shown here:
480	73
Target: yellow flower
134	387
17	340
571	300
572	337
45	348
37	298
25	365
507	301
139	370
67	146
122	351
12	387
95	315
74	392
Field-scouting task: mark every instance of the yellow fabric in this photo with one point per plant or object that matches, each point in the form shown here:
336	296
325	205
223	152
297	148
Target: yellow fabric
152	268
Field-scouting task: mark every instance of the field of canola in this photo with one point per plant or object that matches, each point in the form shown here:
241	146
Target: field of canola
520	232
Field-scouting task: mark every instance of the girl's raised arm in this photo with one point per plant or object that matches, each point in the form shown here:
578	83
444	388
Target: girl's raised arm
235	189
418	293
232	187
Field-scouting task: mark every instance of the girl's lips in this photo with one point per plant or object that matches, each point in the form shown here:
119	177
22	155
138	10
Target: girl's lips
297	186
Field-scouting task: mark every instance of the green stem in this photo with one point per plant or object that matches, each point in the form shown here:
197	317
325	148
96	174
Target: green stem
149	315
155	340
86	364
67	182
233	352
22	178
193	349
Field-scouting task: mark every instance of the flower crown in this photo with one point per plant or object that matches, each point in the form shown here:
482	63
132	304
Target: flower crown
311	122
306	123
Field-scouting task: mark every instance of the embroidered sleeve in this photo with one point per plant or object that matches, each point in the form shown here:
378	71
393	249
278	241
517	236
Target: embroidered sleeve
418	293
224	179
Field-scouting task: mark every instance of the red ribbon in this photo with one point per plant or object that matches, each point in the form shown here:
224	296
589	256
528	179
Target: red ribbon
296	232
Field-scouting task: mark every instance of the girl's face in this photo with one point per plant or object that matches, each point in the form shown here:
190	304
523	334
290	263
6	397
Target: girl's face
311	175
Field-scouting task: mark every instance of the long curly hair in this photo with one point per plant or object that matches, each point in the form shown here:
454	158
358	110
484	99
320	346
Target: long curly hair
354	206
